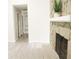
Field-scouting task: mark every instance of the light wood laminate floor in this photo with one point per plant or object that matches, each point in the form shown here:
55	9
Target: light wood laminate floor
23	50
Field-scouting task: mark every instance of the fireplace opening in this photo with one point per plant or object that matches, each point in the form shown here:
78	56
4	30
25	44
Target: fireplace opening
61	46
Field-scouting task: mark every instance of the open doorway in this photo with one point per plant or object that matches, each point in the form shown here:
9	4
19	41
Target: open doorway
21	23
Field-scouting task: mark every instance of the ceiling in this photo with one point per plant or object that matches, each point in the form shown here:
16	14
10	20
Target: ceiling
21	7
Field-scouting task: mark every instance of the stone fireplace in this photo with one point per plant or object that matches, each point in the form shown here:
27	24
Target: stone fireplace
61	41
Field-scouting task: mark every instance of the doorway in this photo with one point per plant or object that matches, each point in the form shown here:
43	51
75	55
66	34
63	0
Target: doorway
21	23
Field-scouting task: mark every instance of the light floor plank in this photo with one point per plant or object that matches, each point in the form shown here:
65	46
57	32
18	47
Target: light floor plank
24	50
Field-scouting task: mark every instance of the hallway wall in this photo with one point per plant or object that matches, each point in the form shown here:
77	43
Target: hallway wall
11	21
25	21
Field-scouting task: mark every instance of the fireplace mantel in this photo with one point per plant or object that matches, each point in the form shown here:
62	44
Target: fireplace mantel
61	19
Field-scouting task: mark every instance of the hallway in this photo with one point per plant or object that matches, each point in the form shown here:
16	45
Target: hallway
21	22
23	50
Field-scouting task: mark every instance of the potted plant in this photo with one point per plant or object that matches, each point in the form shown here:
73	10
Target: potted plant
57	7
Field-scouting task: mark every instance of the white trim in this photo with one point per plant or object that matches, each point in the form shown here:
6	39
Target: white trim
61	19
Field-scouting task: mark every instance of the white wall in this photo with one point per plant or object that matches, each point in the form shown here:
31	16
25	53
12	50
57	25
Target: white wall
11	21
38	20
38	15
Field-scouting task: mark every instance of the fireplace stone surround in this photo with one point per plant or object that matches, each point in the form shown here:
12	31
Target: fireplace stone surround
66	33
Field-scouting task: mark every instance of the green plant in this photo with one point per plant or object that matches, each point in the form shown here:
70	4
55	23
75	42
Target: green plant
57	6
